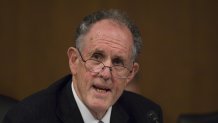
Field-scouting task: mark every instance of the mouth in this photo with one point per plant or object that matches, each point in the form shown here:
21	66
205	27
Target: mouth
101	89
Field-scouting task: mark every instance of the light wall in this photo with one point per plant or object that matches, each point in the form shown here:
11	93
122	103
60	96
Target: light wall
178	63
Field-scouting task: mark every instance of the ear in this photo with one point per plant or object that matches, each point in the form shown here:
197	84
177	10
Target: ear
134	71
73	60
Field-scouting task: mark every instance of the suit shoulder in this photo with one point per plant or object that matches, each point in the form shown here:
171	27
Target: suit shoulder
30	107
133	97
40	104
138	107
138	102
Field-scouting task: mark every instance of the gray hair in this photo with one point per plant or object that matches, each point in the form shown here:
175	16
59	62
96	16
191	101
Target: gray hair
116	16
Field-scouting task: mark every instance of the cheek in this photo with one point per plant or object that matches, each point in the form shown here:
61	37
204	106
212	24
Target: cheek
83	78
81	72
120	86
84	84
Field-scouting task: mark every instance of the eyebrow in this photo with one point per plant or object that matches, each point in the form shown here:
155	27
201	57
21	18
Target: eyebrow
118	57
96	51
90	53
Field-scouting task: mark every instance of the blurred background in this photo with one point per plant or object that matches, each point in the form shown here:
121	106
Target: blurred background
179	67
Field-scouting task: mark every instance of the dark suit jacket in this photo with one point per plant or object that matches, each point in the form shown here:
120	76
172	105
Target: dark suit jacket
56	104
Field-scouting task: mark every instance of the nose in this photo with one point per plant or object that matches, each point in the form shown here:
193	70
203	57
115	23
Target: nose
106	72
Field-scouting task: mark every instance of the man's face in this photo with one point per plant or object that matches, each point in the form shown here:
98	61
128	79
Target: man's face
111	44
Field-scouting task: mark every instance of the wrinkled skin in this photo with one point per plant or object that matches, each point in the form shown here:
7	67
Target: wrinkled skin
110	42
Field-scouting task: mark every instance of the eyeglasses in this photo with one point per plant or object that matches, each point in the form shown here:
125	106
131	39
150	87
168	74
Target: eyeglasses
96	66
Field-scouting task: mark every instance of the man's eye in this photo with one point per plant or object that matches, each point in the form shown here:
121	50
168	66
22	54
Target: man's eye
97	56
118	62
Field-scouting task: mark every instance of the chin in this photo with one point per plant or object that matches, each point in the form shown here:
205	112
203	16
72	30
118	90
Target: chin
100	106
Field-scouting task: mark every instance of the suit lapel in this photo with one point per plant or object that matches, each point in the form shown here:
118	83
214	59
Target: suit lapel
118	114
67	109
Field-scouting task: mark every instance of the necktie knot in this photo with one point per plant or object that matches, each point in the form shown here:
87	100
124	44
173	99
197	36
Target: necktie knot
100	121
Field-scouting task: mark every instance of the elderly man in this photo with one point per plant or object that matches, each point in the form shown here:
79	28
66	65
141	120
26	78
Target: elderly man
101	64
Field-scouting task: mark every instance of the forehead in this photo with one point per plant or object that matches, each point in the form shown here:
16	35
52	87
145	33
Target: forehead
109	34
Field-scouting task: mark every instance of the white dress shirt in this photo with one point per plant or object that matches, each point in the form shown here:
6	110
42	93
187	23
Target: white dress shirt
86	114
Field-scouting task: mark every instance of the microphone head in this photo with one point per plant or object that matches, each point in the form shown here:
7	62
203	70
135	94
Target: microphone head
152	117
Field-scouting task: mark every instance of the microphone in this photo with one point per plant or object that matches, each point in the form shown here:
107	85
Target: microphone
152	117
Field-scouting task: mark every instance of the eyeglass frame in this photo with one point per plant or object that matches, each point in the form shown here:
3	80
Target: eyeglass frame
110	67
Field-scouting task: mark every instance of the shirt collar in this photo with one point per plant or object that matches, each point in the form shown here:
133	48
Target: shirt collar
86	114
